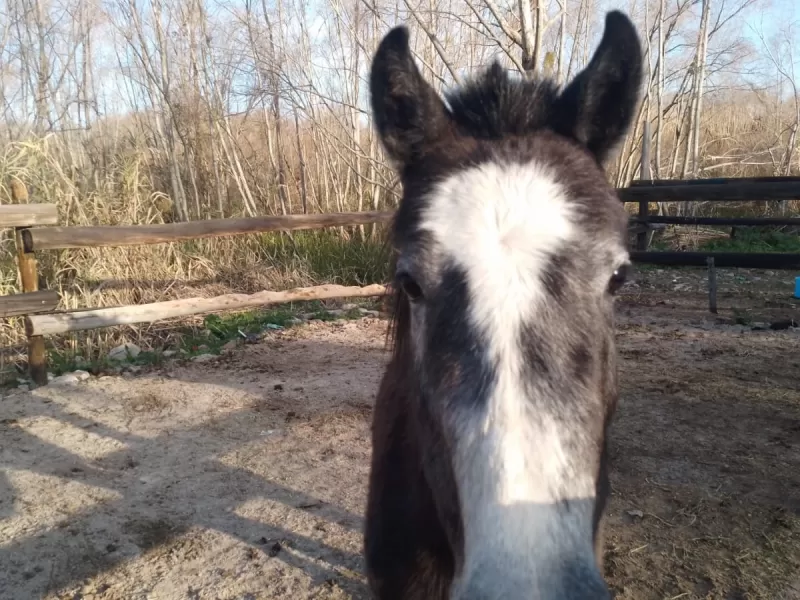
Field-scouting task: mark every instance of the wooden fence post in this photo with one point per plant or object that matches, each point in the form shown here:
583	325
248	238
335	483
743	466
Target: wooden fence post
642	238
712	285
26	262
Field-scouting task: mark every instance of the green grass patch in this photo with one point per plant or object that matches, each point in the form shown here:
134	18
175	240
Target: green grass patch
61	362
216	331
752	239
229	326
328	257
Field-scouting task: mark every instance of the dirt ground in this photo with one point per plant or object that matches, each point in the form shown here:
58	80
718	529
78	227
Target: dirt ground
245	477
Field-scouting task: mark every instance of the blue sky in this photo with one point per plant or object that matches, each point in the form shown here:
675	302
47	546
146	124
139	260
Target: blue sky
765	15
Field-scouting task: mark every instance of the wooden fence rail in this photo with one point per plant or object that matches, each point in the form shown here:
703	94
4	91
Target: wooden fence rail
27	215
147	313
733	221
31	237
754	260
645	181
51	238
714	192
17	305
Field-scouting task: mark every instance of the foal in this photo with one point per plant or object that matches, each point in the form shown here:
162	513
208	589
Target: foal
489	474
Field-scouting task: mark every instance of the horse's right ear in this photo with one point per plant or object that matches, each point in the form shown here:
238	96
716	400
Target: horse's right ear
408	113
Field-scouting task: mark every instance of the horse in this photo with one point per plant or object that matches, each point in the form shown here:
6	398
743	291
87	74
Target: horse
489	468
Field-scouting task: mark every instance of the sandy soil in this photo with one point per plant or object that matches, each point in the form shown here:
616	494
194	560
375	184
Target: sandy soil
245	477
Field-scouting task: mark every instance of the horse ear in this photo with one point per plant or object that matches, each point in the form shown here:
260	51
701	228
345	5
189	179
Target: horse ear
407	111
598	106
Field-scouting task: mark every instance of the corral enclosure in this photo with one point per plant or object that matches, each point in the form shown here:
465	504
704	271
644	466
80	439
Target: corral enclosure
245	477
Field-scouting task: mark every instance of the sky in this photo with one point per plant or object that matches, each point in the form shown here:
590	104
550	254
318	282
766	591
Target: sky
767	16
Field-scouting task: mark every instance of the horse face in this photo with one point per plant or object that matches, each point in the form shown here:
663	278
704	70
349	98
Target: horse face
510	244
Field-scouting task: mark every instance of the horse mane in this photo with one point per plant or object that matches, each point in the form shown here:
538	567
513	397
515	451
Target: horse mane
492	104
399	318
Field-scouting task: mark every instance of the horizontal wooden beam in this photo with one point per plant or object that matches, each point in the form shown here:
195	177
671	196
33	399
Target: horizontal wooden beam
16	305
734	221
755	260
92	237
50	238
716	192
147	313
28	215
712	180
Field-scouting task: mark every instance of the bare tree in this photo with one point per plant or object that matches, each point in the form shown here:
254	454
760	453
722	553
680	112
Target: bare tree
700	76
262	106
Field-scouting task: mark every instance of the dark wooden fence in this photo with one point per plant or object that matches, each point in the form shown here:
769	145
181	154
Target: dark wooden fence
646	192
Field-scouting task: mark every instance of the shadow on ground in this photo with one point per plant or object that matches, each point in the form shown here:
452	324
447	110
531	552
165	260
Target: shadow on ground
149	486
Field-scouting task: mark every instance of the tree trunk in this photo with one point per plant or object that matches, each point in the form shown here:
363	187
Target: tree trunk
529	35
702	43
660	90
301	159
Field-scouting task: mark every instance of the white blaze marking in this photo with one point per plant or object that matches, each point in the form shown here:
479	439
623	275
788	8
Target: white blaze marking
501	224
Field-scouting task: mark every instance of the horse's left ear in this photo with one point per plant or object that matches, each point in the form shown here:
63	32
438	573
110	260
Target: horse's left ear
597	107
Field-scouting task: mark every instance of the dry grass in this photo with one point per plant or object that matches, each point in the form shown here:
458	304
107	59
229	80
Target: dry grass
112	176
97	277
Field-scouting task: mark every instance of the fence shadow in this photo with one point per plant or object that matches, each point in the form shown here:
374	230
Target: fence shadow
153	489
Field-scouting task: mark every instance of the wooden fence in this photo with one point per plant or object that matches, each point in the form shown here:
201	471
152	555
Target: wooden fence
36	230
646	192
32	235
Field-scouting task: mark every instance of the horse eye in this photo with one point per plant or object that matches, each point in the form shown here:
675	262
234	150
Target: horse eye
618	279
410	287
